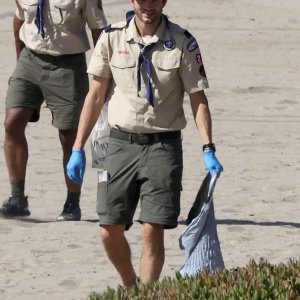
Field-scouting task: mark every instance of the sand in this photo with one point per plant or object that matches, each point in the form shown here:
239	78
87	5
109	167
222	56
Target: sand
251	54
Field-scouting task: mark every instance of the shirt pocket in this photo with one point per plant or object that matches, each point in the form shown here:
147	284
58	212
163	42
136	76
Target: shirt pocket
29	7
63	11
166	69
123	70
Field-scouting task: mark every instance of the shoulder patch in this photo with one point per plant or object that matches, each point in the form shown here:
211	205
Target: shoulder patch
119	25
192	45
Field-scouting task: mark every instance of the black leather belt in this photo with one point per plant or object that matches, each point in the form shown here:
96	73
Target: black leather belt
144	138
55	58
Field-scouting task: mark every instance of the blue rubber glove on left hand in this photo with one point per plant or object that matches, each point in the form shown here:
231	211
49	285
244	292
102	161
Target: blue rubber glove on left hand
76	166
211	162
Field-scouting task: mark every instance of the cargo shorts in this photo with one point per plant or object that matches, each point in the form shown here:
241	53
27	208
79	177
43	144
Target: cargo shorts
60	81
145	172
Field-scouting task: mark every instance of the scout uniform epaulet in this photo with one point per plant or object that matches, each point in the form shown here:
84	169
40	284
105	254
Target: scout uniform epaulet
192	43
187	34
118	25
178	29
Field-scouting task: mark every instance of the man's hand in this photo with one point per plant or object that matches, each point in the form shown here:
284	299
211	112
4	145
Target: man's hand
211	162
76	166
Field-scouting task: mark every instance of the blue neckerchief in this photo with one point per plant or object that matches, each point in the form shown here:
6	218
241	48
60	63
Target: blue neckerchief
143	59
39	18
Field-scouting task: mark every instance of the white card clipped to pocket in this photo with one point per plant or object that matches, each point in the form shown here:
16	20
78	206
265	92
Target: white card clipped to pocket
102	176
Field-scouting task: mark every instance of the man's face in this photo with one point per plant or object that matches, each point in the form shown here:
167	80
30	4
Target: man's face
148	11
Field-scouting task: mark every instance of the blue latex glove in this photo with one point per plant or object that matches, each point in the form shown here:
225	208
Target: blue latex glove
76	166
211	162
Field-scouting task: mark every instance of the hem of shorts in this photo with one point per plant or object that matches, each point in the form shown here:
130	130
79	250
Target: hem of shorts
63	127
165	224
8	106
127	225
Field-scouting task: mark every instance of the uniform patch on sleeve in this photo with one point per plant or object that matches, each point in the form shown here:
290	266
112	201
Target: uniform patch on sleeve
99	4
192	45
199	58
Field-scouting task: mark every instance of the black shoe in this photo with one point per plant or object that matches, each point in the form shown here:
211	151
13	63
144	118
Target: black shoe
71	212
15	206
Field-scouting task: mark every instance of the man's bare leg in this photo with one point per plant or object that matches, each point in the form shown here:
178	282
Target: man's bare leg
15	143
153	256
67	138
119	253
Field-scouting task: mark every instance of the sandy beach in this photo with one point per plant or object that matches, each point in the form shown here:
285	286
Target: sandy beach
251	55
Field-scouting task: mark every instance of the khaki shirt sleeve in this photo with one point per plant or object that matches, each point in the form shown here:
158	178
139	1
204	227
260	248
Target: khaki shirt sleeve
99	63
19	11
94	14
192	69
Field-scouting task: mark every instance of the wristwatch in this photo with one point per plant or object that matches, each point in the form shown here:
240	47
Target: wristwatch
210	146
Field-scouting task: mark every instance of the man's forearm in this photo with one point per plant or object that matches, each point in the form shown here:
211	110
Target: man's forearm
203	121
91	110
202	116
17	24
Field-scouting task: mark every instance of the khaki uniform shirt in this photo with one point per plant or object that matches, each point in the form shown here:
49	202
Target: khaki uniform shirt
64	22
176	68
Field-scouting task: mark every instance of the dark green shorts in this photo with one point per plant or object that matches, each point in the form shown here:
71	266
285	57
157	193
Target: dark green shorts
149	173
60	81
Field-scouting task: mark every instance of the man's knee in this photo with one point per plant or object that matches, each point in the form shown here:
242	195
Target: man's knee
67	138
109	233
153	233
16	120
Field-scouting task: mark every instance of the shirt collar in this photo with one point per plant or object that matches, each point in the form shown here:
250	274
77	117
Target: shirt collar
162	32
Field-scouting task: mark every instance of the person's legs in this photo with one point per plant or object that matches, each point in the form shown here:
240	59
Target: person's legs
160	174
15	143
71	210
118	251
67	139
66	89
16	155
153	255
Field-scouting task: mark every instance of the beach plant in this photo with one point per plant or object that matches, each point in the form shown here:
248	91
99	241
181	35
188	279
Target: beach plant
257	281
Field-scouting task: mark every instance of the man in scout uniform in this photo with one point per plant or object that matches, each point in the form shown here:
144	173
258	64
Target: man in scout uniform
51	41
143	66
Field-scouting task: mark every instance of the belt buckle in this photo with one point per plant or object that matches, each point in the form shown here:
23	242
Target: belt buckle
140	139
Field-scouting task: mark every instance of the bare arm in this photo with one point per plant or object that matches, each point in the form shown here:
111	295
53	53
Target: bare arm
202	116
203	121
17	24
95	35
94	101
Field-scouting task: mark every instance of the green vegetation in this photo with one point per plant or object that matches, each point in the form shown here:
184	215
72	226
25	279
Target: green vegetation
256	281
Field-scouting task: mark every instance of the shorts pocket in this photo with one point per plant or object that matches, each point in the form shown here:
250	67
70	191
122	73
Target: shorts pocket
102	198
175	169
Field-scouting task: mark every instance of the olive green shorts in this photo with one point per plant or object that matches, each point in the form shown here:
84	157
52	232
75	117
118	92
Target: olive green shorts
147	173
60	81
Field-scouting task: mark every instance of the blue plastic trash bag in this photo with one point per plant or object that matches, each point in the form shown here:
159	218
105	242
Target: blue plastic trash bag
200	240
